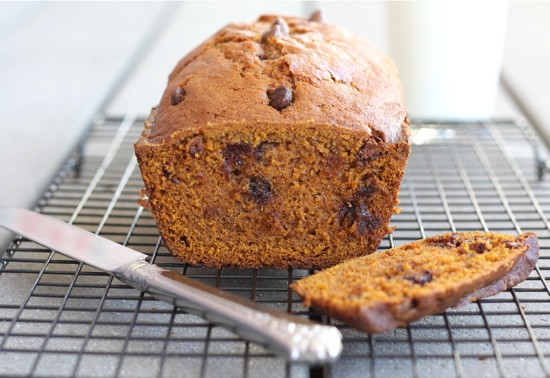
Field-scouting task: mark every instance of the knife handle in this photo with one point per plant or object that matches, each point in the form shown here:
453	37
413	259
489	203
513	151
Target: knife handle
294	338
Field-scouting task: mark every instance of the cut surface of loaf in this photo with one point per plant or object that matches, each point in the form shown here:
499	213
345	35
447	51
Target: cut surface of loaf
278	143
392	288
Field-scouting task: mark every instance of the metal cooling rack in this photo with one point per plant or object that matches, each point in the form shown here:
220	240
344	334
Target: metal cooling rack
61	318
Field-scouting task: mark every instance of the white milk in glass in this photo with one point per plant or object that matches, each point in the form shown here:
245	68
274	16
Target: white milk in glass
449	56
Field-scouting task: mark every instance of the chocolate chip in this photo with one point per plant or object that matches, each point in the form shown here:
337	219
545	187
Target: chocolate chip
366	221
178	95
280	97
235	155
421	278
170	176
480	247
282	25
378	136
317	16
196	146
277	29
370	150
454	240
353	211
184	240
351	208
259	190
447	240
366	190
347	213
274	31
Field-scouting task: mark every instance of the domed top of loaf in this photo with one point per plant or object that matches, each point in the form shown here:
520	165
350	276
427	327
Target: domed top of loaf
284	70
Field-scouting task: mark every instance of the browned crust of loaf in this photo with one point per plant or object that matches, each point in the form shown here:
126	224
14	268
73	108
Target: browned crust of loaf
384	317
336	78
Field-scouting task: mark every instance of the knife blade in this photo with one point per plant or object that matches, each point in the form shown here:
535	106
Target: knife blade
294	338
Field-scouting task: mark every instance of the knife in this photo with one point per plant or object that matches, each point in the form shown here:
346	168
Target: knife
291	337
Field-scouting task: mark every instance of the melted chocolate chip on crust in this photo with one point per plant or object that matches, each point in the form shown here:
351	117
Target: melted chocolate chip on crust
280	98
178	95
421	278
317	16
274	31
282	24
277	29
259	190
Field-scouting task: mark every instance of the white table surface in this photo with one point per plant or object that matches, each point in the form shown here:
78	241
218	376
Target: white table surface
59	62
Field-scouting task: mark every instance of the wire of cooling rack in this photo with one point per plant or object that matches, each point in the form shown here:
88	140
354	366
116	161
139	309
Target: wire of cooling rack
62	318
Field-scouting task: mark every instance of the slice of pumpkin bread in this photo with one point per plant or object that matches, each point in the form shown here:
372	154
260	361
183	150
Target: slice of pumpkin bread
388	289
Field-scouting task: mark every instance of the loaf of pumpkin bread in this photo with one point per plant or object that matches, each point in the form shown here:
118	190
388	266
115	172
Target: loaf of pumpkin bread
275	144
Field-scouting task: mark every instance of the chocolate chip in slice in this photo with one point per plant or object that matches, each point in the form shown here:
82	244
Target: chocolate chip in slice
366	190
280	98
274	31
347	213
447	240
196	146
235	154
259	190
454	240
184	240
178	95
355	210
480	247
421	278
317	16
366	221
370	150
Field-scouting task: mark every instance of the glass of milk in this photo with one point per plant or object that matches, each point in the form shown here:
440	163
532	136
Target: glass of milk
449	56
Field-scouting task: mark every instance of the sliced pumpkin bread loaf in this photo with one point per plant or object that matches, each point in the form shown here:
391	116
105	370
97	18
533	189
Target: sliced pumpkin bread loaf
278	143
